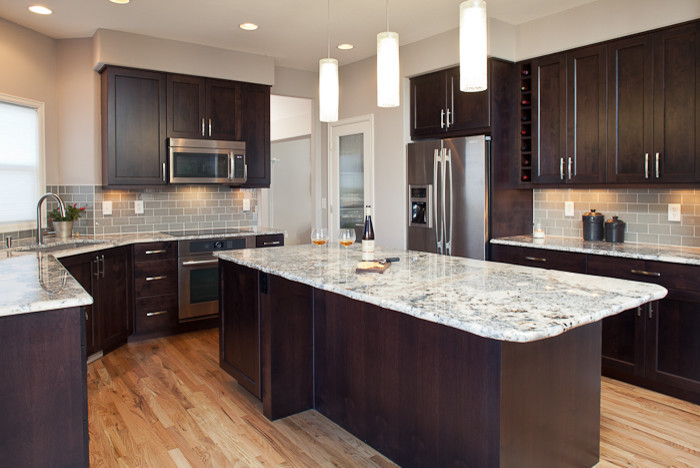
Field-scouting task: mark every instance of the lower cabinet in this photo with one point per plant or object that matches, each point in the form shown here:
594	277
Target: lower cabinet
106	276
540	258
655	345
155	288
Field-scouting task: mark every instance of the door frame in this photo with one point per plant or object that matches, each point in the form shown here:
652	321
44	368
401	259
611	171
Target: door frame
361	124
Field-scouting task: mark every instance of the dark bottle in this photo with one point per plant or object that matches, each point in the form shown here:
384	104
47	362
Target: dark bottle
525	115
525	71
525	132
525	146
525	87
525	177
525	102
368	236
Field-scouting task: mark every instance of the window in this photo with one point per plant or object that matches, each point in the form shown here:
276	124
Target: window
21	161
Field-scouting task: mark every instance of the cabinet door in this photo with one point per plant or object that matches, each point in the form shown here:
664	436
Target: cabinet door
114	296
186	106
82	268
133	127
673	347
676	153
630	110
428	105
255	131
586	115
540	258
223	100
239	344
549	135
468	111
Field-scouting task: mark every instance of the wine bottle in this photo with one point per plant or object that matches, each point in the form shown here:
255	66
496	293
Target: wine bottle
368	236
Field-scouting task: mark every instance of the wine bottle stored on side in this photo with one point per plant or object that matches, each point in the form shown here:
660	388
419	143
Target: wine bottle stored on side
368	236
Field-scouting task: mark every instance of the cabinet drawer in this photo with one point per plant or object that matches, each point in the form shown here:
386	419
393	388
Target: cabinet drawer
155	251
155	278
672	276
153	314
269	240
540	258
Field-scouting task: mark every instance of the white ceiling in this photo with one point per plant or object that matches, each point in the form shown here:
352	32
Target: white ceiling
291	31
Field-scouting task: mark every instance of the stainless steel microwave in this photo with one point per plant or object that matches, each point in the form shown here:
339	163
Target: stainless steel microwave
207	161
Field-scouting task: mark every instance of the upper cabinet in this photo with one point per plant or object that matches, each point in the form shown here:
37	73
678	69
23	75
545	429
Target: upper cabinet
654	107
439	109
133	127
569	117
255	131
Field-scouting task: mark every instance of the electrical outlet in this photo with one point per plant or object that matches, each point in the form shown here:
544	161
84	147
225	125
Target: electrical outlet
138	207
246	204
569	209
107	208
674	212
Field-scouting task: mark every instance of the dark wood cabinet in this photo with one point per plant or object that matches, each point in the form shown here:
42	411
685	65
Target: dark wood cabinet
155	288
569	134
106	276
539	258
255	131
269	240
133	127
654	107
439	109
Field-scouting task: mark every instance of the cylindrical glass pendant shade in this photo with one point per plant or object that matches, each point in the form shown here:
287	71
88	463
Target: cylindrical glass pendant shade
328	89
388	69
472	46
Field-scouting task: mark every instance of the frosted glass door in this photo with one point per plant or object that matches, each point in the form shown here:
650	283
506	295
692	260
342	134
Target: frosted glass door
351	191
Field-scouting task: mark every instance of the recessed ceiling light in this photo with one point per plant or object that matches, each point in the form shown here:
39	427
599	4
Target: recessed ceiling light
248	26
345	46
120	2
40	10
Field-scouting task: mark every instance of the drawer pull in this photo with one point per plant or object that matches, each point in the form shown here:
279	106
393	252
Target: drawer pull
159	251
272	243
153	314
156	278
536	259
200	262
646	273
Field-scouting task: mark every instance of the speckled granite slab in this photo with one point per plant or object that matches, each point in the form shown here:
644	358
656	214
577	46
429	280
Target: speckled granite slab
32	283
660	253
493	300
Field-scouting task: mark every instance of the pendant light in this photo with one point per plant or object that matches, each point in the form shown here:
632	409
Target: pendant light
472	46
328	82
388	66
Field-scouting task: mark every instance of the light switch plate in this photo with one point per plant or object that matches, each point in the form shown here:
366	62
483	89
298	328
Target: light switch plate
107	208
246	204
674	212
138	207
569	208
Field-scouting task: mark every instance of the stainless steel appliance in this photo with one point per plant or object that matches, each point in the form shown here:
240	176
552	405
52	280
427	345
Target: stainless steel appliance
448	188
198	278
207	161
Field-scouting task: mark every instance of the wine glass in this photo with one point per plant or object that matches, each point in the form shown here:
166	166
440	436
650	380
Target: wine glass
319	236
346	237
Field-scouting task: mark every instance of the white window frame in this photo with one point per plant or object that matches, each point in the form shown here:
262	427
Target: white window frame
41	166
362	124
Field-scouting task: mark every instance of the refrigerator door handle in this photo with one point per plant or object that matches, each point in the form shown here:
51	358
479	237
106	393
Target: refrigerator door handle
433	208
447	173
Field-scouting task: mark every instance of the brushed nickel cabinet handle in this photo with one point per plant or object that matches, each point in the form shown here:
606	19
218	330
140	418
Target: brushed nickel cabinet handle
152	252
561	168
203	134
651	312
102	259
272	243
448	117
646	165
536	259
657	165
164	172
153	314
639	311
209	127
442	118
645	273
569	169
156	278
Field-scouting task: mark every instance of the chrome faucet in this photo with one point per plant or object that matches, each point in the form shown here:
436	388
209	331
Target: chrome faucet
61	207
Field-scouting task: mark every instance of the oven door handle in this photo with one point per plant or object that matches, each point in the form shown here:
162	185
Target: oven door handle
199	262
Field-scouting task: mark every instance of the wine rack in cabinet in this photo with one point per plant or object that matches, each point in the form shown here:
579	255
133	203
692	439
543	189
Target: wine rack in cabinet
526	122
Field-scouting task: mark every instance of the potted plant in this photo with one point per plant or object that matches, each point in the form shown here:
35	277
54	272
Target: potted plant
63	225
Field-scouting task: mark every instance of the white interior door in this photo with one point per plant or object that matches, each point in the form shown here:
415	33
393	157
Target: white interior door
350	172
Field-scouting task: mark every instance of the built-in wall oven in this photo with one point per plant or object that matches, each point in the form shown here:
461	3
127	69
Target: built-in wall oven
198	275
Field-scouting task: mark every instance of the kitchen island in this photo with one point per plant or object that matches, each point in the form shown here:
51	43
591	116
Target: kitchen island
439	361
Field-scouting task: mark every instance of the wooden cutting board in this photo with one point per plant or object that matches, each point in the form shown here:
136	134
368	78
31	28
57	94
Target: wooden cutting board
372	267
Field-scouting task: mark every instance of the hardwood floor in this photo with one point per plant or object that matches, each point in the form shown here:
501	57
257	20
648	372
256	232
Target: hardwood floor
166	403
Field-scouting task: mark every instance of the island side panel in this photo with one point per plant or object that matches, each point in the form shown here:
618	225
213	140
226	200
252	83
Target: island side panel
421	393
287	346
550	408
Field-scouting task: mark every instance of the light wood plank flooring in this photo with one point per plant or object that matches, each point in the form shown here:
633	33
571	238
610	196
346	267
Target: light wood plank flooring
166	403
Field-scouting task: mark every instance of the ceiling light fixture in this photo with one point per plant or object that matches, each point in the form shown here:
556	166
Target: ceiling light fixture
328	82
472	46
248	26
120	2
40	10
388	66
345	46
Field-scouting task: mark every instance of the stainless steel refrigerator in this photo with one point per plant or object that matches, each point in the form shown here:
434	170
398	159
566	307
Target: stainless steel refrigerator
449	196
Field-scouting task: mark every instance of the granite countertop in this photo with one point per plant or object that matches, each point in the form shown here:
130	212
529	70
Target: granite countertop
659	253
492	300
33	281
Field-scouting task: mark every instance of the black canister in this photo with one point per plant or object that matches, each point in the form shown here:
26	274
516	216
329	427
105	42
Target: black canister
615	230
593	226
